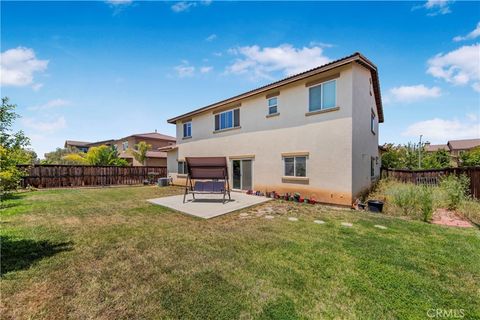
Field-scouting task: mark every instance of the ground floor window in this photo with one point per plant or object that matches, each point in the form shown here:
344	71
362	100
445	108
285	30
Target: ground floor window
182	167
295	166
372	167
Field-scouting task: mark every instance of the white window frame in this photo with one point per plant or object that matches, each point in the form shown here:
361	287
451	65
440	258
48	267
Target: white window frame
232	111
269	106
184	167
188	124
321	96
295	166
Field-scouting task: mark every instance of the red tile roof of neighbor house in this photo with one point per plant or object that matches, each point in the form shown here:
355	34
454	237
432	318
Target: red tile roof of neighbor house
76	143
357	57
168	148
153	135
435	147
150	154
463	144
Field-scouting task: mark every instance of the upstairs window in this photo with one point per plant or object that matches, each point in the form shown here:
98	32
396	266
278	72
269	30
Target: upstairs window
124	145
182	167
272	105
295	166
323	96
227	120
372	122
187	129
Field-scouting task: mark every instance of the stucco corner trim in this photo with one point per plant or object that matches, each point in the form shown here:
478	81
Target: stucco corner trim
271	115
312	113
225	130
299	180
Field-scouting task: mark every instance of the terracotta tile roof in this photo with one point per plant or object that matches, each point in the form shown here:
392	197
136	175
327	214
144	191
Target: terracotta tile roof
463	144
168	148
150	154
435	147
156	154
356	57
153	135
76	143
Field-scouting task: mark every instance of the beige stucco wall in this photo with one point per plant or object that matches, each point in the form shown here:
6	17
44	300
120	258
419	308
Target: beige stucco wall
365	143
327	138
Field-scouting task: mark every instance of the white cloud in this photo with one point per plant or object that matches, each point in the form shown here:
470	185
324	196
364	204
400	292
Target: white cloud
186	5
45	126
55	103
472	35
211	37
185	69
414	93
436	7
440	130
18	66
206	69
459	67
182	6
261	62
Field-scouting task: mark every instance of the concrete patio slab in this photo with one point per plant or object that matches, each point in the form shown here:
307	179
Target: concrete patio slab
209	205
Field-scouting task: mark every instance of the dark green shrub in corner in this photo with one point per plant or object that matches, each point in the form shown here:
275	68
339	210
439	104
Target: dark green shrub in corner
456	190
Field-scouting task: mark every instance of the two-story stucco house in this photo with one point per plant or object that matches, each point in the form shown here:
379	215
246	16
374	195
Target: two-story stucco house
315	133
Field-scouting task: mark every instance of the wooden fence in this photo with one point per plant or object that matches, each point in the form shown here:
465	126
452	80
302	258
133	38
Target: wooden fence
57	176
433	176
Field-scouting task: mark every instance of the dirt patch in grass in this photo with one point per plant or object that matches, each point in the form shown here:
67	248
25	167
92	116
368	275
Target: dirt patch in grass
450	218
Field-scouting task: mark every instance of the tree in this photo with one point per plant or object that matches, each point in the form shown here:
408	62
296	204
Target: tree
140	152
97	156
13	150
470	158
435	160
59	156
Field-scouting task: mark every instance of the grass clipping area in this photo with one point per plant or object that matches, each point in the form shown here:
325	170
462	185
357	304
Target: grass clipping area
109	254
419	202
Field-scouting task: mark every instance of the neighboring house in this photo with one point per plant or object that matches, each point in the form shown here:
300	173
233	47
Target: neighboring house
79	145
458	146
125	147
454	147
435	147
84	146
315	133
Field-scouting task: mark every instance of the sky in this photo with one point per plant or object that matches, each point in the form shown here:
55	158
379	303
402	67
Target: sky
92	71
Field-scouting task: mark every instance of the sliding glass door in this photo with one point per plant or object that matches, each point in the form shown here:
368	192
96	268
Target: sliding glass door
242	174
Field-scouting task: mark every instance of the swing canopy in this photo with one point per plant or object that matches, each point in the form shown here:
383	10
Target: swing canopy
207	168
213	169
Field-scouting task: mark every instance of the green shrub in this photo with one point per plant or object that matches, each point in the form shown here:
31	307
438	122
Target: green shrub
455	189
405	197
471	210
425	199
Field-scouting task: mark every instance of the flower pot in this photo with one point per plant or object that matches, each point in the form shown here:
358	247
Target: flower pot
375	205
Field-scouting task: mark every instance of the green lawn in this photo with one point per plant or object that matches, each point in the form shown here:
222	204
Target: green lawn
108	254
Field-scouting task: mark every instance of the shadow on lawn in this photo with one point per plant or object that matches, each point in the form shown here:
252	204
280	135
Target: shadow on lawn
19	254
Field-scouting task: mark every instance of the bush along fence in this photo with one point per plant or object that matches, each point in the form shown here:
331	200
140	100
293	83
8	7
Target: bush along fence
432	177
58	176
